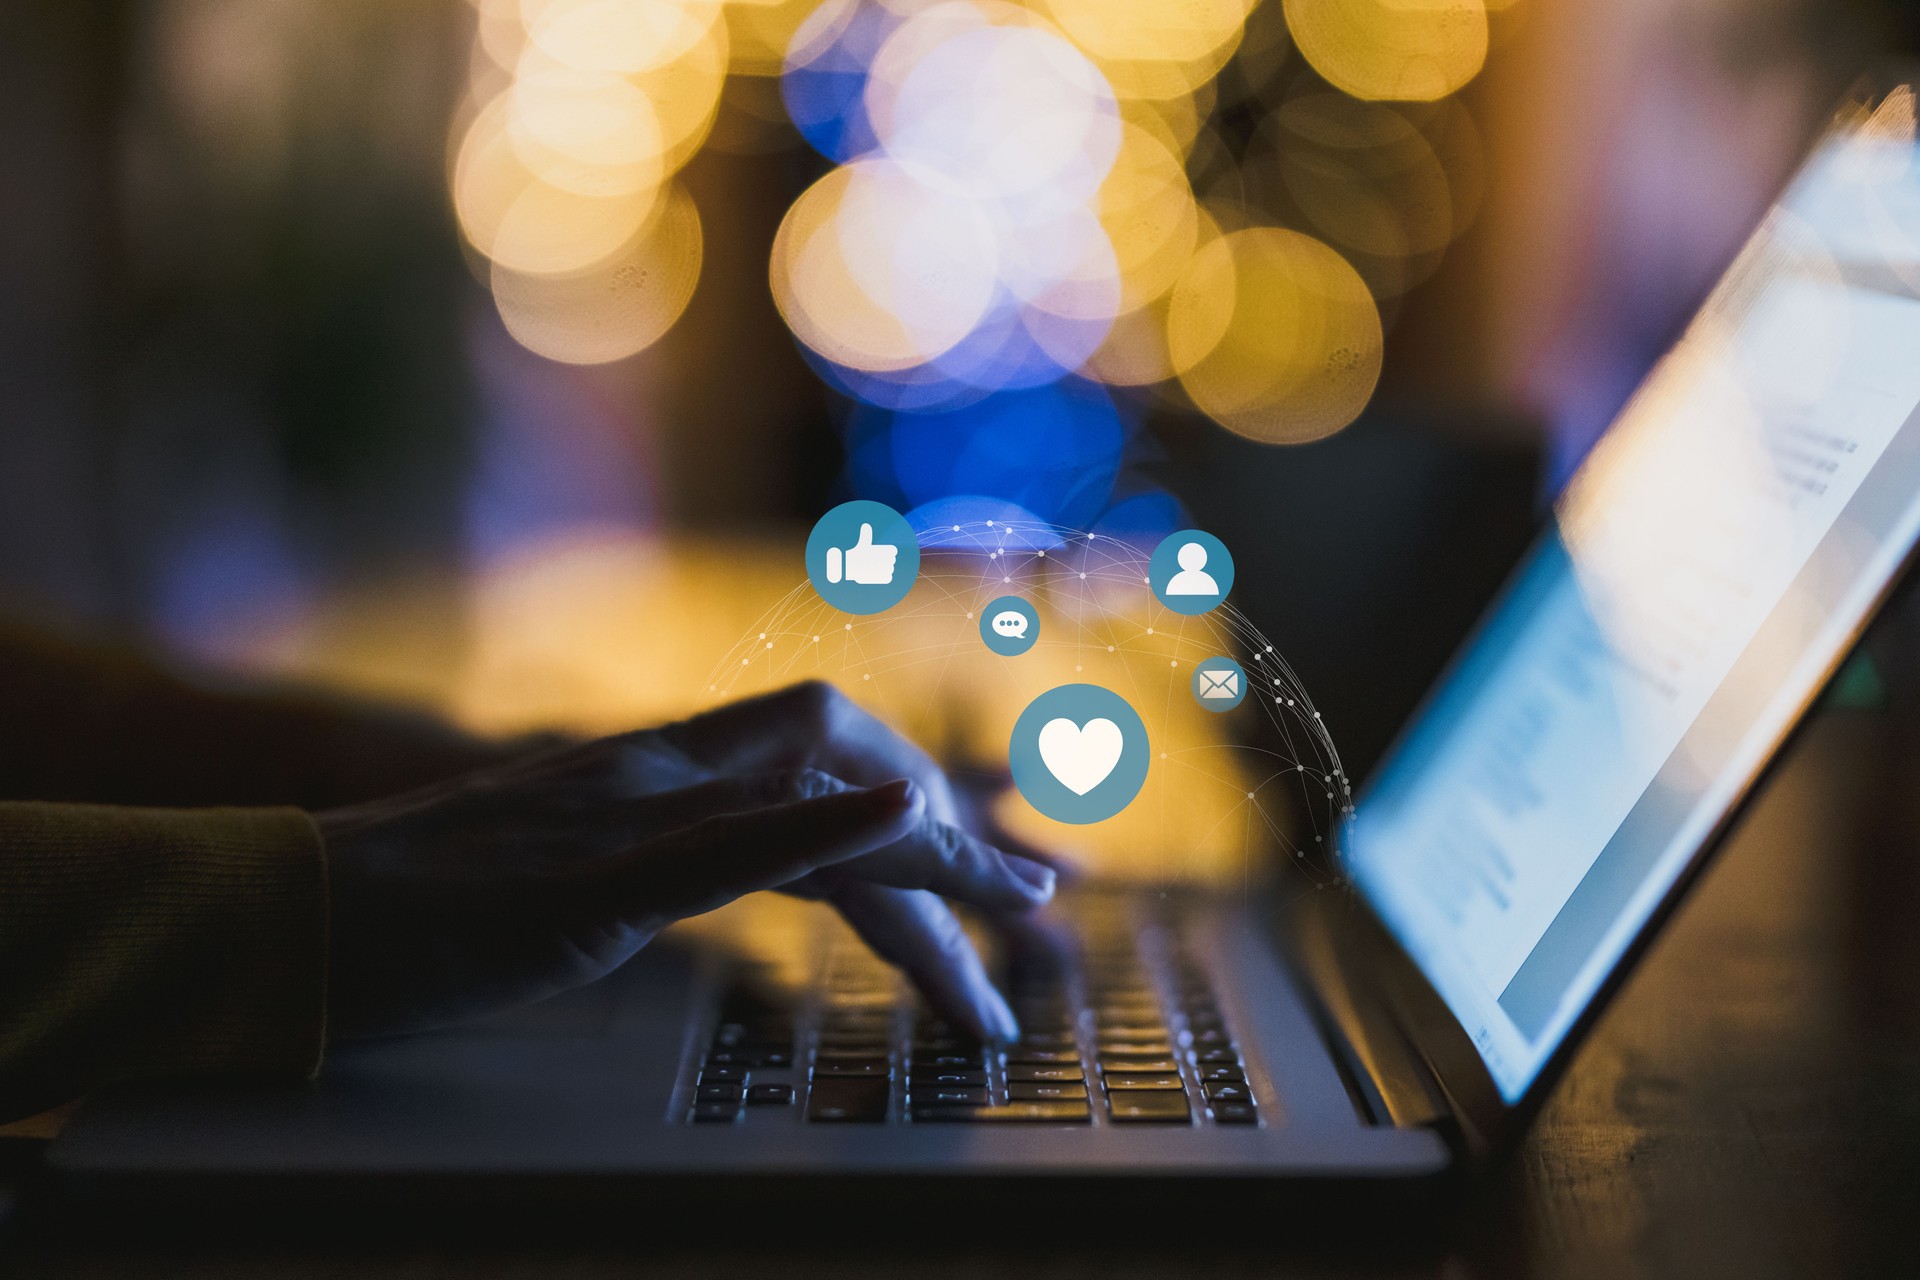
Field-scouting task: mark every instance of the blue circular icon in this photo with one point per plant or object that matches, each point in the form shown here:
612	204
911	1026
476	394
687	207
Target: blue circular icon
1191	571
1009	626
862	557
1079	753
1219	684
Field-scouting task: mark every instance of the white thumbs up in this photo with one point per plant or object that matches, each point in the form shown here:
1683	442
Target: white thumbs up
865	563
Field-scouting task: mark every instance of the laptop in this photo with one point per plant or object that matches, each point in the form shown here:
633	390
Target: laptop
1701	580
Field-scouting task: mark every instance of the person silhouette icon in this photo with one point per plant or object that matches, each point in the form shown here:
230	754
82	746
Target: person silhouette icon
1193	578
1191	572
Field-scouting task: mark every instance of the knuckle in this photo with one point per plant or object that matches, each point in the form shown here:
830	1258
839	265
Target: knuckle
948	843
806	784
816	703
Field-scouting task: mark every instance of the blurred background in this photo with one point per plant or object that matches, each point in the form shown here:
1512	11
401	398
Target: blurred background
496	354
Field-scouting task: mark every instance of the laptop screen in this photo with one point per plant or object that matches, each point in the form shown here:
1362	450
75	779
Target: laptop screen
1702	573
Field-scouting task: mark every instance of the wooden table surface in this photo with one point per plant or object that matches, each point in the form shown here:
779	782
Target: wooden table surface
1750	1107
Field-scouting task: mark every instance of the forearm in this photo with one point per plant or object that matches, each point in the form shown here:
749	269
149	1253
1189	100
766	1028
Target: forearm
141	942
87	722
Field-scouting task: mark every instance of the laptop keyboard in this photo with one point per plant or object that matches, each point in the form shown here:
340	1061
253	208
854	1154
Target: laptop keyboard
1120	1027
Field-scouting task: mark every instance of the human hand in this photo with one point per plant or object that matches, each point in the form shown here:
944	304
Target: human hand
513	884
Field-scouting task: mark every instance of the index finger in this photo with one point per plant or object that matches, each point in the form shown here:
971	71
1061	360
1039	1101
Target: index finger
811	725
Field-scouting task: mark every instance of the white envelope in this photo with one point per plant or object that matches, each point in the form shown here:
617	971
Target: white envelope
1219	684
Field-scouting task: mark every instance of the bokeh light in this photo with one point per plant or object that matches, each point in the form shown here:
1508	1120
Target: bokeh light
1275	336
1411	50
1022	215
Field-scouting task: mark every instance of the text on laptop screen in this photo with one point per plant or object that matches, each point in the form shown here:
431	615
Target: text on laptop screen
1705	569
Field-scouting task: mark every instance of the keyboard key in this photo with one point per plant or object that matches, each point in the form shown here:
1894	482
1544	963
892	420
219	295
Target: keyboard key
1127	1062
1227	1091
1235	1113
715	1112
1143	1049
1216	1056
950	1097
1212	1038
877	1067
848	1101
963	1061
1222	1072
1012	1113
719	1075
1046	1092
1033	1038
1142	1080
1032	1074
728	1092
854	1045
946	1044
1118	1033
770	1095
1041	1057
1148	1106
749	1058
947	1076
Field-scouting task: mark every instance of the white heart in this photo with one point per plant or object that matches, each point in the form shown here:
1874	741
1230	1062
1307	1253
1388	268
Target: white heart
1081	757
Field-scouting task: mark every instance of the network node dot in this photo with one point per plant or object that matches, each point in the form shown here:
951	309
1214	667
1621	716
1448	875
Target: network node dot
956	528
816	639
847	627
743	662
1109	648
769	644
1149	630
1083	577
1041	554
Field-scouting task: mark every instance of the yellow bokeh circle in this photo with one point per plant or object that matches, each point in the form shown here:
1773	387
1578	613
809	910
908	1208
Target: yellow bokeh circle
1274	336
1410	50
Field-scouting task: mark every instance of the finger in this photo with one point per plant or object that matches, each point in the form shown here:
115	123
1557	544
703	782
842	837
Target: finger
955	865
715	860
866	537
974	792
810	725
932	855
917	932
664	811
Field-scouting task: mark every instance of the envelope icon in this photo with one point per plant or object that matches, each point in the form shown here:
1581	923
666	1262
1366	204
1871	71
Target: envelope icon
1219	684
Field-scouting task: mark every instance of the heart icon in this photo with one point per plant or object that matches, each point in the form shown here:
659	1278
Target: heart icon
1080	756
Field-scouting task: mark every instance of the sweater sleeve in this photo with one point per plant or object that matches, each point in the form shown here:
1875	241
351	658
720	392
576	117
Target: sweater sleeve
152	942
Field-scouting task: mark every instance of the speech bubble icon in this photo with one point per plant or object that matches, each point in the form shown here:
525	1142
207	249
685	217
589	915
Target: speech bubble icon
1010	623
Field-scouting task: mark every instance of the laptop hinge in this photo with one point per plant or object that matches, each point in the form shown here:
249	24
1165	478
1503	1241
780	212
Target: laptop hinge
1387	1072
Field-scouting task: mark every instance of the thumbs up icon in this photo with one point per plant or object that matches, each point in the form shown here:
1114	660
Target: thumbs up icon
866	563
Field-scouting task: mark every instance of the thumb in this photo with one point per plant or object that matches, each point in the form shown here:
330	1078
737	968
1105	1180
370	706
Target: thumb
866	537
714	861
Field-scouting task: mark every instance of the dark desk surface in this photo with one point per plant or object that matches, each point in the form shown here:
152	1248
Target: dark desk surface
1751	1106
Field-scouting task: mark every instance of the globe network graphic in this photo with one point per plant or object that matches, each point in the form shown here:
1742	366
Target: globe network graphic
1226	795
